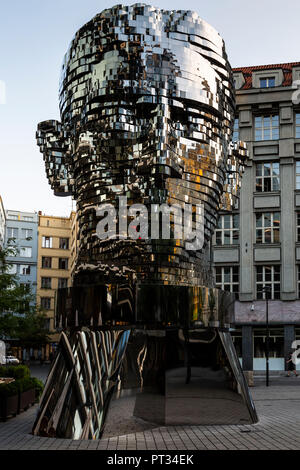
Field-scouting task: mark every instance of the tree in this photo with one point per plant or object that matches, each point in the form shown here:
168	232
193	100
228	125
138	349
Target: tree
19	317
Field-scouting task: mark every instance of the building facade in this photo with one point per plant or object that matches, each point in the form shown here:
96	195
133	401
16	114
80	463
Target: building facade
74	242
2	223
258	245
54	263
21	232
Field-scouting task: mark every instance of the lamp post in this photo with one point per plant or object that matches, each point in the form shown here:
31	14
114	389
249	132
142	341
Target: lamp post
266	290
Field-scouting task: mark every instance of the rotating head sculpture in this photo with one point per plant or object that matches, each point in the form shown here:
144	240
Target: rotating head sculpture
147	109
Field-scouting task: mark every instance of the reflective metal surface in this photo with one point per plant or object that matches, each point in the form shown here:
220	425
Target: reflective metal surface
169	377
147	110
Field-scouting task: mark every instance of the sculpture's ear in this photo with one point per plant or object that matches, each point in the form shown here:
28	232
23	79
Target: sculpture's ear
237	157
54	145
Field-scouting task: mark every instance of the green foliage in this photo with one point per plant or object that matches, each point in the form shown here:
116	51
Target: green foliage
9	390
38	386
23	381
17	372
19	317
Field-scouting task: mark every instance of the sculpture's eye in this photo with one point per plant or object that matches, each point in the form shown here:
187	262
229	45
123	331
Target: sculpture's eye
145	110
179	115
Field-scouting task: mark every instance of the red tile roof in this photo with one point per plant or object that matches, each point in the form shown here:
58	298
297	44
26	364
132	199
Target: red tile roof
286	68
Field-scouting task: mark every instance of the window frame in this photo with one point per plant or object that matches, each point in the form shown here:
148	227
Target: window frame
221	230
26	248
297	125
265	176
44	241
260	295
50	283
264	228
231	283
267	80
263	129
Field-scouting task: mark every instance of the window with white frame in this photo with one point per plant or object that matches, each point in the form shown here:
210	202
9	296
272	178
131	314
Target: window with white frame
268	276
12	232
267	177
26	233
267	82
268	227
47	242
227	278
227	231
267	127
25	269
12	269
28	218
236	134
26	251
297	134
298	174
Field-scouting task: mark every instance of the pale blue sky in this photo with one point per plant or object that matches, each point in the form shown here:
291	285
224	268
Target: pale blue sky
34	36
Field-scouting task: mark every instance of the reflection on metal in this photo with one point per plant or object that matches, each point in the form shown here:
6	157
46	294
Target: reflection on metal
80	384
147	110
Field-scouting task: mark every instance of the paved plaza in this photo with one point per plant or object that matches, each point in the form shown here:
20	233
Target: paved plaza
278	408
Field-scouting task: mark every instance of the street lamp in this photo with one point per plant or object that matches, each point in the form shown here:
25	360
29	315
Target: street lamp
267	290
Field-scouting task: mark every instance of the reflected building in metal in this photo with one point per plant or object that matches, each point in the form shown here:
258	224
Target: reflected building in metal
147	109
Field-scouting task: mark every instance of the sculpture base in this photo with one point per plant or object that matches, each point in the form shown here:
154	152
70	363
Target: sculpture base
173	376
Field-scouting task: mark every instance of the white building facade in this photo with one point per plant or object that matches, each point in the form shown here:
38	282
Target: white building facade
258	245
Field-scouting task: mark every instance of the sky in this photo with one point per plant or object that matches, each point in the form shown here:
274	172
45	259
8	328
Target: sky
34	36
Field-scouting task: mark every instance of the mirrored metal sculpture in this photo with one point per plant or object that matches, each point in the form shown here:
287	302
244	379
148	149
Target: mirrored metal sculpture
147	109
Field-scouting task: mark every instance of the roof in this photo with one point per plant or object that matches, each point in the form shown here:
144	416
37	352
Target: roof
286	68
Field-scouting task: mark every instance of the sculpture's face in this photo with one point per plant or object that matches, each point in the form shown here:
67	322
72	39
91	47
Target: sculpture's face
147	106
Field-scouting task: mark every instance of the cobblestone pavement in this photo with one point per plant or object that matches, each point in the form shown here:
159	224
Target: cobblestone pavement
278	408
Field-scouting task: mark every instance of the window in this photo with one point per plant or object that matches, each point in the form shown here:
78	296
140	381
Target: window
47	324
267	127
298	281
64	243
63	263
26	233
235	136
28	218
227	278
13	216
47	242
268	227
298	174
268	276
26	251
12	269
46	283
297	125
267	177
62	283
46	262
24	269
26	287
13	232
227	231
267	82
46	303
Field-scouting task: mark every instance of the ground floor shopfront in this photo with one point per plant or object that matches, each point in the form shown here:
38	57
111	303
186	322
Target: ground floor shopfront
250	344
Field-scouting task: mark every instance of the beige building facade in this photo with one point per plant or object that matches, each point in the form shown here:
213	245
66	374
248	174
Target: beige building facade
54	264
